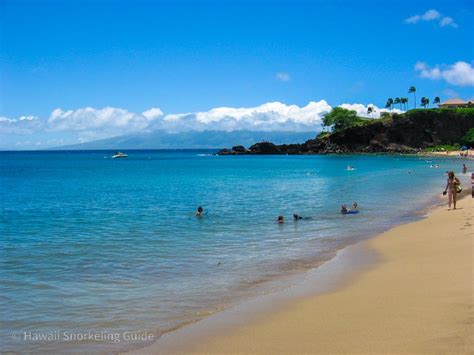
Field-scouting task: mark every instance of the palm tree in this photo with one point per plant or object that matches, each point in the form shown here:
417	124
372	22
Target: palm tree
389	103
412	89
398	101
425	101
404	101
370	110
436	100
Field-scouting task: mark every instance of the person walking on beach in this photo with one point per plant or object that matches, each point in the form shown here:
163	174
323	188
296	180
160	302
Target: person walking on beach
451	188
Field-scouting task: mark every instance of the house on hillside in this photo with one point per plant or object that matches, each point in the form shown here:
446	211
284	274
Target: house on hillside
456	103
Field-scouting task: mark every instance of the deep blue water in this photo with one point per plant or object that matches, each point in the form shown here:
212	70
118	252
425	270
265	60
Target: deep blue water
90	243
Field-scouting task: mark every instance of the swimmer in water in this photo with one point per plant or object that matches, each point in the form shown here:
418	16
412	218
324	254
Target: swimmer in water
355	205
343	209
200	211
280	220
297	217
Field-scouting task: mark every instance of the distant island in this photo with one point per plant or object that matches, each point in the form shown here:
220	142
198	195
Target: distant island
414	131
211	139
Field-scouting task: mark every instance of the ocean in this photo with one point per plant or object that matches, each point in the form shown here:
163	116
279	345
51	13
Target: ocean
101	246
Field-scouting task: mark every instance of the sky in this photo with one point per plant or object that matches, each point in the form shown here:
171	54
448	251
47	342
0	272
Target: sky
75	71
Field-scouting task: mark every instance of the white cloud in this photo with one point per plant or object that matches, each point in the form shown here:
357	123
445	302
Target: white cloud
448	21
153	113
361	110
413	19
92	123
432	15
267	117
21	125
282	76
459	73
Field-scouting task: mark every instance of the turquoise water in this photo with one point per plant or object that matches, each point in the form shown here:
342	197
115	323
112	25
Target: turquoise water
89	243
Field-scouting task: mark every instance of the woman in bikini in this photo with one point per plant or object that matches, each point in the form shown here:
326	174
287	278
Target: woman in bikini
451	189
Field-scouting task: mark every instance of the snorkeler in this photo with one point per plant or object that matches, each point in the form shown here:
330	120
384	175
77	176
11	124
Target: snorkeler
200	211
297	217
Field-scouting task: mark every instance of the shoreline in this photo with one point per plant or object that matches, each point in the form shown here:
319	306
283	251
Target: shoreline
220	331
331	275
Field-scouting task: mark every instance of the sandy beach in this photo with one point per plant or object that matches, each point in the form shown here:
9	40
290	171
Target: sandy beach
418	298
453	153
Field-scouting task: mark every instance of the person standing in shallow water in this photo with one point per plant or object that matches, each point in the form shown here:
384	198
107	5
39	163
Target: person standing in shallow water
451	189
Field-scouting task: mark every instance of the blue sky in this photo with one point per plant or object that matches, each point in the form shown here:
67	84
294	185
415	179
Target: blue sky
193	56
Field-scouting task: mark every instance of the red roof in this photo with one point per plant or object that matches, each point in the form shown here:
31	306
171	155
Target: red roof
456	101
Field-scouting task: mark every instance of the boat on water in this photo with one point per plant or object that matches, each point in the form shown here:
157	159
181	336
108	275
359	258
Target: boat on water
119	155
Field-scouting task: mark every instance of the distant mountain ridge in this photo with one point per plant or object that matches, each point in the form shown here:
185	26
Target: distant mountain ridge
191	140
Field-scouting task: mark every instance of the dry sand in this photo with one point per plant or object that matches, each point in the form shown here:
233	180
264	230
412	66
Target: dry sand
418	299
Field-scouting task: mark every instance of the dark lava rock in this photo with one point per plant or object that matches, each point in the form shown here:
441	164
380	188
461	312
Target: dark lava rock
239	149
265	148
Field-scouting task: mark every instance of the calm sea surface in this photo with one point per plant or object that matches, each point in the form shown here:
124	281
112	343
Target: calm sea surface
90	244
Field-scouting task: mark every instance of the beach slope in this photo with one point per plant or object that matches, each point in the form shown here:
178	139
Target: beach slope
418	299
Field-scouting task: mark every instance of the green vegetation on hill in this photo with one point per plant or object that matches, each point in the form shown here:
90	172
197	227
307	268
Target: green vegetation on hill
340	118
468	139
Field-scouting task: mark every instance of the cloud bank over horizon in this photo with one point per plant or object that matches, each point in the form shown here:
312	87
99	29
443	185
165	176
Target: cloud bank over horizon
88	124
